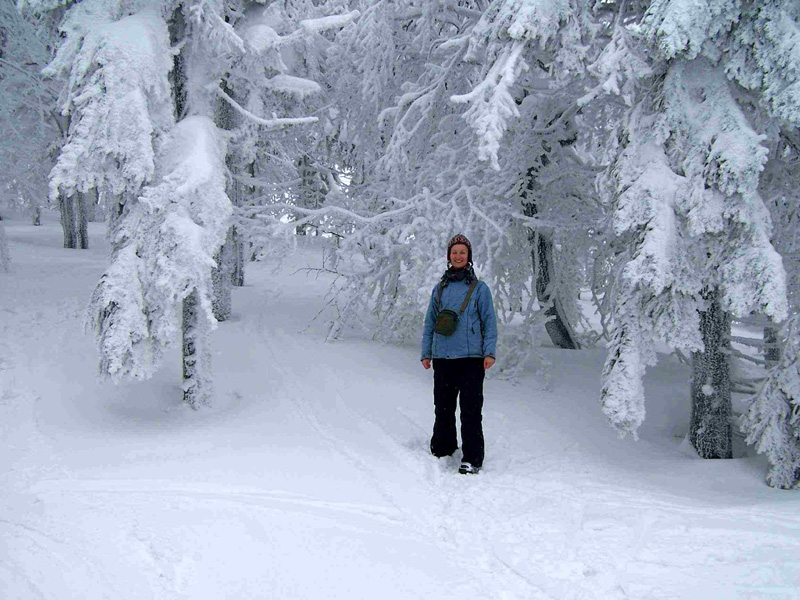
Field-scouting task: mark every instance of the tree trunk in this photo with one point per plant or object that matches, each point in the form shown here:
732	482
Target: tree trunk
772	347
310	194
226	118
710	428
196	359
194	356
557	325
177	77
66	206
237	252
81	225
235	247
221	282
93	209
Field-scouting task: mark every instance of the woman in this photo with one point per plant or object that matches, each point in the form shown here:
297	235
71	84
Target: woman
462	348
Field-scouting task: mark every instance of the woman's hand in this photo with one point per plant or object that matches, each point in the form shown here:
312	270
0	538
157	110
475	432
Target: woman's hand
488	361
426	362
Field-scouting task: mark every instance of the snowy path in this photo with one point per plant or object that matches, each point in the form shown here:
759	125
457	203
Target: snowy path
310	476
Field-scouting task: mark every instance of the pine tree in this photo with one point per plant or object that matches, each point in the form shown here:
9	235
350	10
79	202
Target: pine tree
168	235
171	211
772	421
116	96
686	204
31	127
165	254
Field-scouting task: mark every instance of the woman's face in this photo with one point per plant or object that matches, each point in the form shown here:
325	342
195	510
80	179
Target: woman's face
459	256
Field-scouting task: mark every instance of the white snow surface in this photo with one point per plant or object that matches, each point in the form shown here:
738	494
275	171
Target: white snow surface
310	477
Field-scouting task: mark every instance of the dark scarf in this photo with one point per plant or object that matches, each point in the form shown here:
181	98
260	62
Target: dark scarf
466	274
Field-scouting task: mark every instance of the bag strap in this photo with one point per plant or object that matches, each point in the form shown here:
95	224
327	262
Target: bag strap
471	289
464	304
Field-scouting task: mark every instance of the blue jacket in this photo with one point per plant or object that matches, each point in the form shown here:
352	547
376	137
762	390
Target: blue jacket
476	334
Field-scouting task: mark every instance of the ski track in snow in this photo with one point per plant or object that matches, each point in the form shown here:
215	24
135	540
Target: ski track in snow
555	514
429	508
455	508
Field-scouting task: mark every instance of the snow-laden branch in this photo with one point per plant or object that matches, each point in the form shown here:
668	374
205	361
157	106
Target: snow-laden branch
568	113
119	103
502	72
37	80
416	13
326	23
537	223
262	183
421	103
492	103
312	214
275	123
502	233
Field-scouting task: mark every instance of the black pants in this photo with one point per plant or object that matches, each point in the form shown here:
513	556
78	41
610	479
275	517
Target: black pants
452	377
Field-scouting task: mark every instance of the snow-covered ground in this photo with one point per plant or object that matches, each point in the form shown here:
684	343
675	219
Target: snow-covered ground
309	478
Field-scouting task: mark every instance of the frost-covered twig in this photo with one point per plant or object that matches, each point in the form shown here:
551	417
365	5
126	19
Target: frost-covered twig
39	81
743	356
325	211
261	183
754	342
275	123
538	223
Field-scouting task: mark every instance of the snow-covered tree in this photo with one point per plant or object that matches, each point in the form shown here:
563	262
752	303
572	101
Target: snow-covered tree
175	180
693	230
30	127
165	254
778	186
169	210
772	422
117	96
286	74
463	116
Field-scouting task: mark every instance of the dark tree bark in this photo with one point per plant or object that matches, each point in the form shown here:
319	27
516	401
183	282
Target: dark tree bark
232	252
73	220
194	393
237	256
557	325
312	189
177	33
93	206
192	381
221	282
81	221
66	207
710	428
772	347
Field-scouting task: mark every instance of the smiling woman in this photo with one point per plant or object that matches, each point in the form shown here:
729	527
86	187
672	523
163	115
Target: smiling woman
461	348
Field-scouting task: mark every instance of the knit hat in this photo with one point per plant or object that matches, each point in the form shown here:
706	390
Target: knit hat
459	239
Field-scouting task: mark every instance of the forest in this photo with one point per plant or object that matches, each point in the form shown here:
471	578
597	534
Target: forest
641	157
